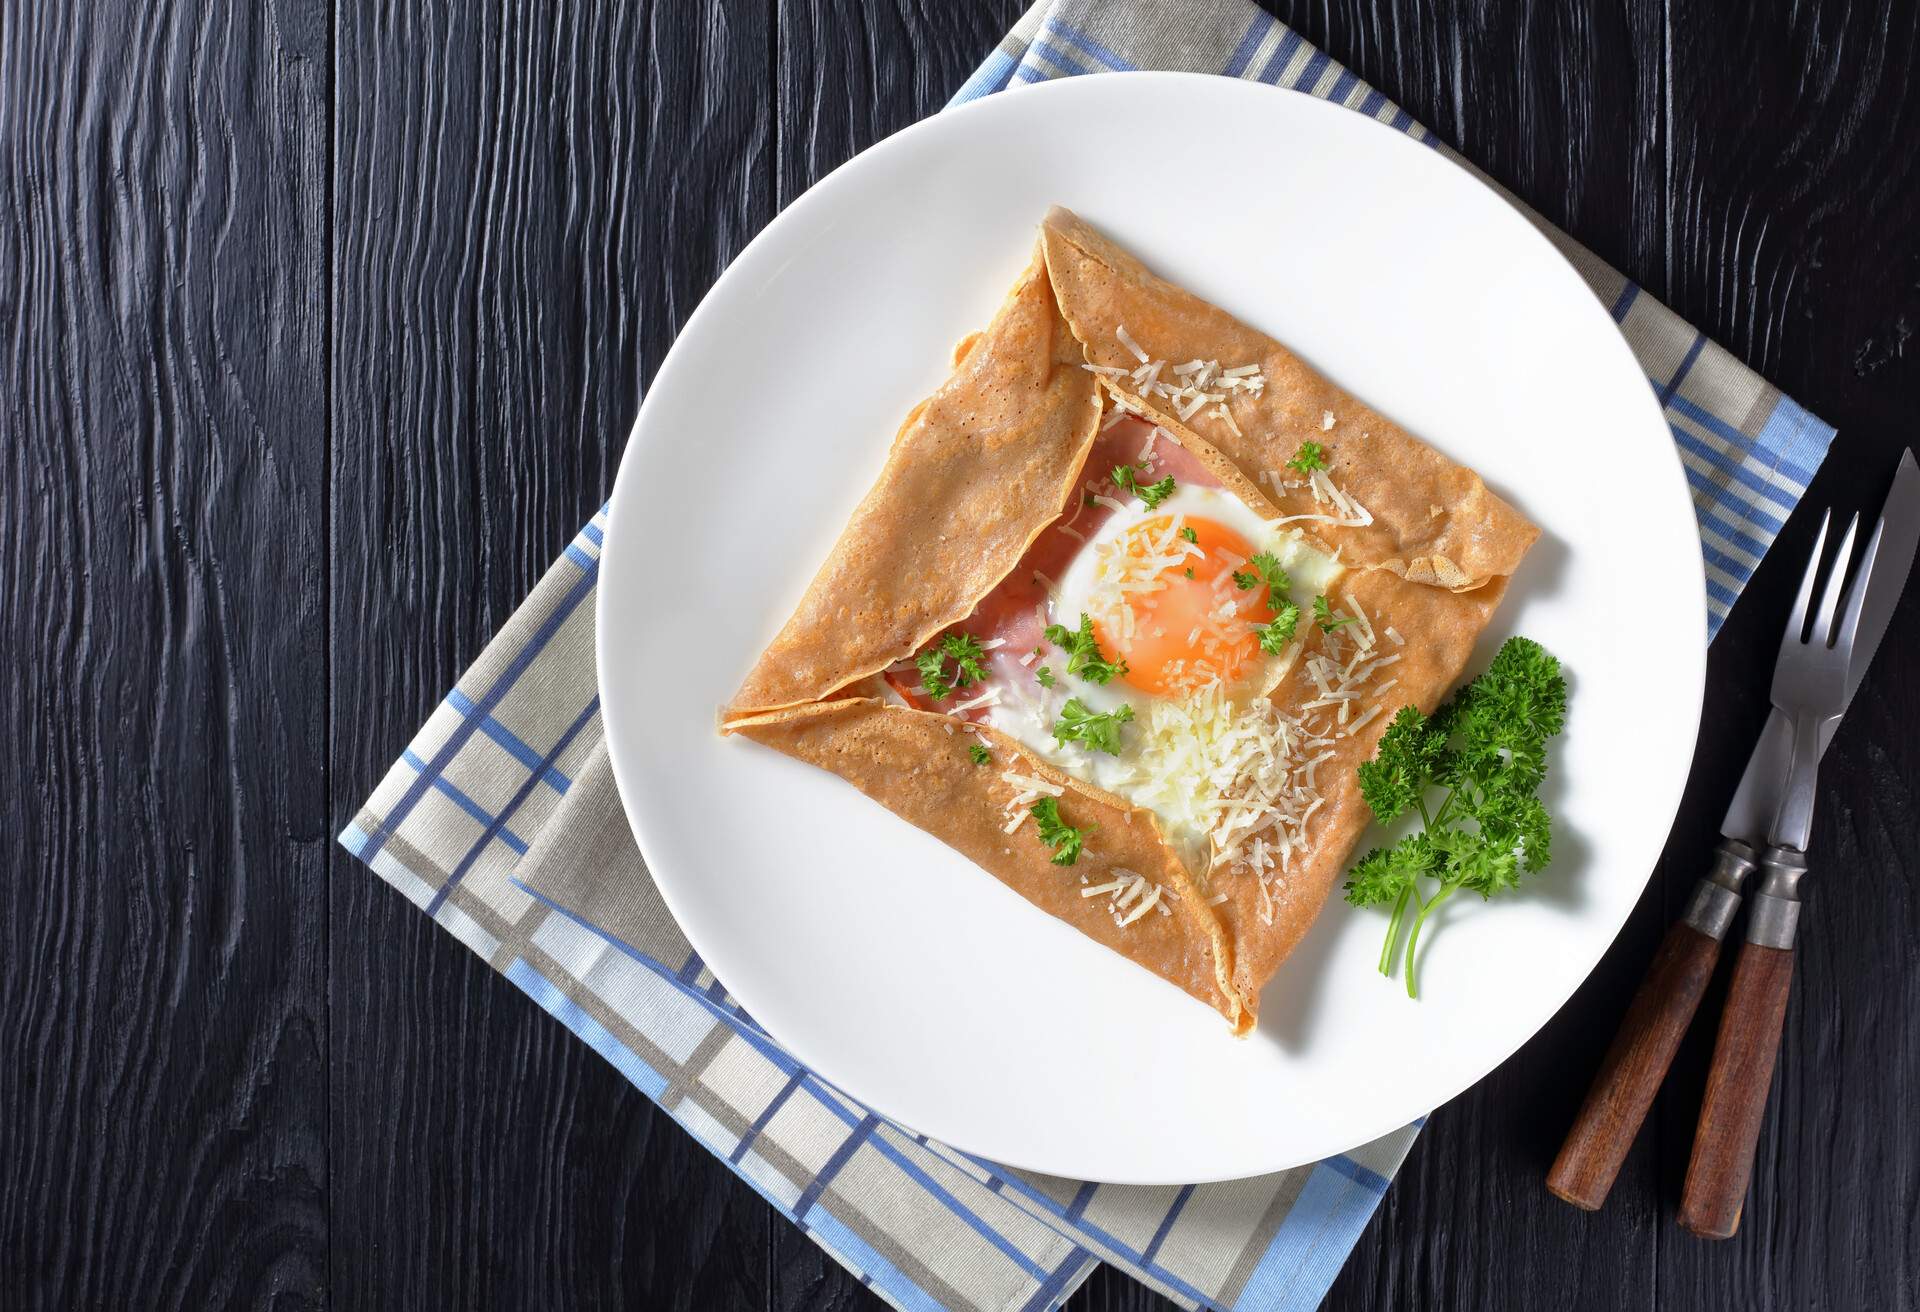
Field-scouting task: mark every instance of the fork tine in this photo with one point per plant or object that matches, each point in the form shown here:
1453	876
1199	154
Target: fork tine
1797	622
1823	631
1857	593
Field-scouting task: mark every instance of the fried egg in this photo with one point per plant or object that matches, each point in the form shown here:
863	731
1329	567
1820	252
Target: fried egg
1158	586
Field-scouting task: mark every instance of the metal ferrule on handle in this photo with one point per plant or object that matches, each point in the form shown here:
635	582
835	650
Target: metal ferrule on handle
1716	898
1774	920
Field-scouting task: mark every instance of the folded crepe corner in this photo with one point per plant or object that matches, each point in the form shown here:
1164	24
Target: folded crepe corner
975	473
1397	477
987	463
915	765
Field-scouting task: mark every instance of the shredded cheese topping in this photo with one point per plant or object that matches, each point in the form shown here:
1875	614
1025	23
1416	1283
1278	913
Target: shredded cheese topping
1247	776
1186	388
1130	895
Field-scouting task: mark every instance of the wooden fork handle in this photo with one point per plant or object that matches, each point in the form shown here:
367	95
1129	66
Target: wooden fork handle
1631	1072
1743	1055
1633	1068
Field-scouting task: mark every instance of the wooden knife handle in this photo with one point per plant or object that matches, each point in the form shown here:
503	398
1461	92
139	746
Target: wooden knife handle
1736	1100
1743	1055
1633	1068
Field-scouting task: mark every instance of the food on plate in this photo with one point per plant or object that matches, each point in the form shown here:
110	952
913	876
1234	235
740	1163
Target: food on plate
1133	596
1471	771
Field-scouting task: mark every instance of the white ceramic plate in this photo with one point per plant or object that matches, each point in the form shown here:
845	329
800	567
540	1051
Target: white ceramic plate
900	971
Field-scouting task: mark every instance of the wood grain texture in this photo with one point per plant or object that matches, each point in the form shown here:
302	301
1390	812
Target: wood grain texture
529	203
324	325
163	1026
1779	164
1738	1081
1634	1068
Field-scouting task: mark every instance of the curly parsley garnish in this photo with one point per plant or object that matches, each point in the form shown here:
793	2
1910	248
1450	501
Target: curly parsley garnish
1266	569
1083	651
1275	635
1309	457
1323	615
1151	493
1045	675
1487	749
979	754
1063	838
1080	723
964	650
1190	535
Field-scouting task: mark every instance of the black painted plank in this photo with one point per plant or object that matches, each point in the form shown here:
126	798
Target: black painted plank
529	204
162	919
525	208
851	73
1793	219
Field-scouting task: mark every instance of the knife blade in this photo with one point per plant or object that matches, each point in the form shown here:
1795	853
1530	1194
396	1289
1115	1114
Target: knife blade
1758	798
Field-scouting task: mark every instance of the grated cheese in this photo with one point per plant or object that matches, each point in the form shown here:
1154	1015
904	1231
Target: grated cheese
1147	904
991	697
1362	722
1027	783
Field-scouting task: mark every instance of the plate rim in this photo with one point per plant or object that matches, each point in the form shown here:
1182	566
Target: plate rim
626	481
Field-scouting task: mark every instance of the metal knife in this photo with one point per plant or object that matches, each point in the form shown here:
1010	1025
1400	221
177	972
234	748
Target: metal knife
1635	1065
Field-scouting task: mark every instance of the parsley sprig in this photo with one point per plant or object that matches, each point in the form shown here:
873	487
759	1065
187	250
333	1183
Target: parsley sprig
1309	457
1278	632
1323	615
1487	749
1151	493
1083	651
1080	723
1266	569
1063	838
964	650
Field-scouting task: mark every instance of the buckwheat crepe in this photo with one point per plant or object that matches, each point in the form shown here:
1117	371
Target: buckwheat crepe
988	462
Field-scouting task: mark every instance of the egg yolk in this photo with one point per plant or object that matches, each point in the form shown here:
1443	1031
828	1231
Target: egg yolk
1180	620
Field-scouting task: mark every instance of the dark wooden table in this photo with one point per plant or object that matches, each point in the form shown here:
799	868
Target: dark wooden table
323	326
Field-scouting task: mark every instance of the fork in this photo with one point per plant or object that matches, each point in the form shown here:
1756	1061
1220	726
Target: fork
1810	688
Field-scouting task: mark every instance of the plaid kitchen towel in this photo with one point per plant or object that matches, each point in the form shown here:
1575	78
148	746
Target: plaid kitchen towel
501	821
